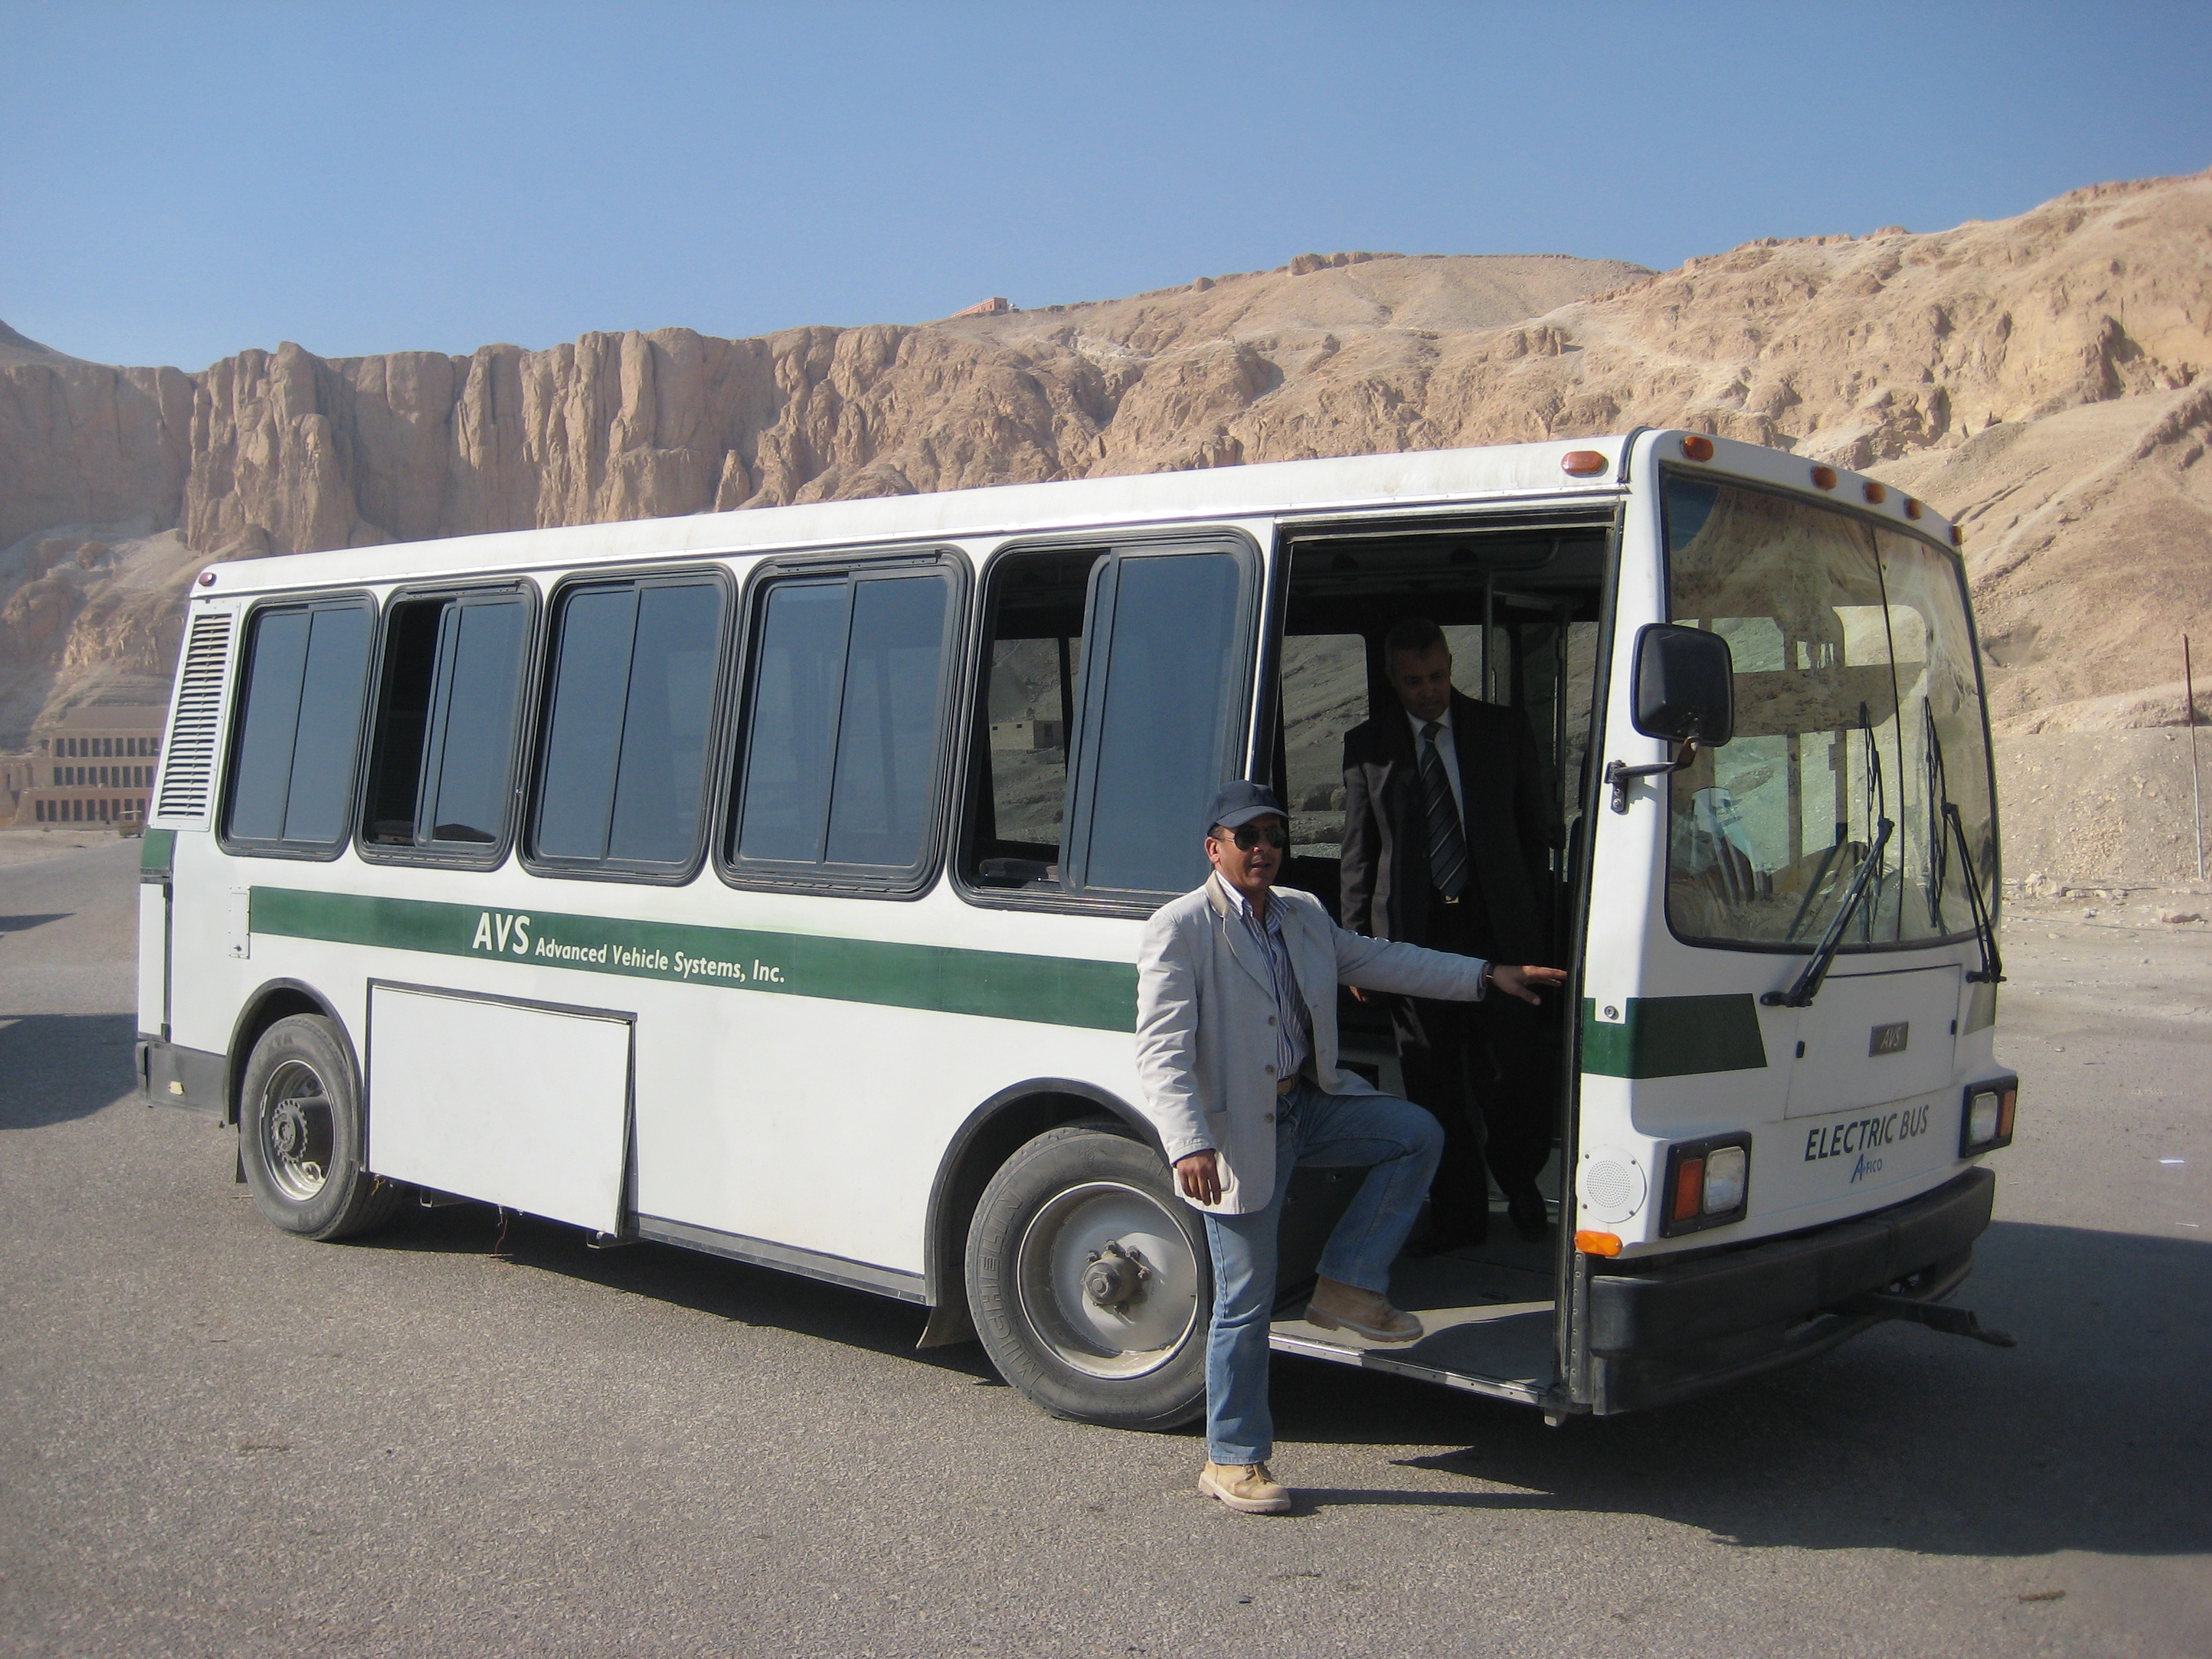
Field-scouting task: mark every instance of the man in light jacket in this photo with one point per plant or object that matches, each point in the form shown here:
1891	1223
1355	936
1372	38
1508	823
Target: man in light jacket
1236	1050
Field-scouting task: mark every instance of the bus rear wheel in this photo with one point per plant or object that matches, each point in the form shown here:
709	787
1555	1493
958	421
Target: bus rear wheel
301	1136
1090	1282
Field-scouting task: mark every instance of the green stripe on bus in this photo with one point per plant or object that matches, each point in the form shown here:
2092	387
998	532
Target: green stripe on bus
1099	996
1674	1036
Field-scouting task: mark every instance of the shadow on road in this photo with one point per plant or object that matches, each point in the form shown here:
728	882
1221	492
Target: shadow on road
2091	1436
25	923
728	1290
56	1067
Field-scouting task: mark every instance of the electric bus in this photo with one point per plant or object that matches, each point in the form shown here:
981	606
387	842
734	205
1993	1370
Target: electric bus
769	885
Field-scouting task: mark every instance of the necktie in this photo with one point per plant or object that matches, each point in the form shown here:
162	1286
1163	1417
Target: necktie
1447	841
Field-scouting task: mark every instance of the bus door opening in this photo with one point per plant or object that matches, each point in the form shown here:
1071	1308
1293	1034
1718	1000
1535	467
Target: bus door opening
1516	603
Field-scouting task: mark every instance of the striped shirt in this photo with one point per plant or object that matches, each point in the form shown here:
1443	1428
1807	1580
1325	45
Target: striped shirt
1293	1024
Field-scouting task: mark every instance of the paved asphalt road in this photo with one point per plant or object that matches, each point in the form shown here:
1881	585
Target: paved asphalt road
216	1438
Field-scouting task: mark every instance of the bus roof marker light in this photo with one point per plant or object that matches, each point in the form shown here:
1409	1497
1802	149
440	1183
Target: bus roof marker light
1582	462
1957	536
1912	507
207	579
1876	494
1824	477
1696	446
1597	1244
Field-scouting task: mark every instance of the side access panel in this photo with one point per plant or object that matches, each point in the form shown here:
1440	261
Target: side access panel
522	1105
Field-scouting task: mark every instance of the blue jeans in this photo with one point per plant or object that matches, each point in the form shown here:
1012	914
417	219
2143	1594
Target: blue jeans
1398	1144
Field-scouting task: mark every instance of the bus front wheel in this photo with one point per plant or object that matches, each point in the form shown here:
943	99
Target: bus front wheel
301	1137
1090	1282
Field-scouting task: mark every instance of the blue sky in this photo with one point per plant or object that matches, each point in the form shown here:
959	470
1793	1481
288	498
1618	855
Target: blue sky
181	181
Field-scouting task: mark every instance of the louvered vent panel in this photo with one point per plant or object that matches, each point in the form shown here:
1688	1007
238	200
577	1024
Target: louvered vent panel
188	761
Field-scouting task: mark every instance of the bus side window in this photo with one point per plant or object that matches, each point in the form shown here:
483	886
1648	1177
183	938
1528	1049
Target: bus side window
635	667
1163	706
299	729
843	757
1133	663
1031	662
442	762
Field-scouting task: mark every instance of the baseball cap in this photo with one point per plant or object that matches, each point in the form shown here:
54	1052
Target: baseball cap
1243	801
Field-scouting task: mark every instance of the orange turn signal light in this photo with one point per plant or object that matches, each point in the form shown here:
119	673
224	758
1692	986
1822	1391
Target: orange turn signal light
1689	1187
1582	463
2007	1103
1697	448
1825	476
1594	1243
1876	493
1912	507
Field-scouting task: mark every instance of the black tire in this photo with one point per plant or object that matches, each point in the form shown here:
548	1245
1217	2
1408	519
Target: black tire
302	1139
1032	1247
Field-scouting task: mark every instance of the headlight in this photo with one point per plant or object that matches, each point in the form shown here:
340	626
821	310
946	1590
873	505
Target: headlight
1708	1184
1982	1118
1985	1124
1725	1169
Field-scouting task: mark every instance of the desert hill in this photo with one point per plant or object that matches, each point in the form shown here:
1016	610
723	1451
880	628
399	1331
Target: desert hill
21	349
2042	378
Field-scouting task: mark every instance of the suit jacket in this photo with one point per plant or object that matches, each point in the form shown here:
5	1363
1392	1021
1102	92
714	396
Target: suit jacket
1206	1021
1508	819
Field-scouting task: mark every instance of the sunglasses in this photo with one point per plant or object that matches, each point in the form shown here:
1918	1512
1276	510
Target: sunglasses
1250	835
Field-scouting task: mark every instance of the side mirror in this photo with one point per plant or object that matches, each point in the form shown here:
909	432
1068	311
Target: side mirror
1685	685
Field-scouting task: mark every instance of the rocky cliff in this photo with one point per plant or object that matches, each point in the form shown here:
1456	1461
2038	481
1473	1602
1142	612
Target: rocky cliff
2040	377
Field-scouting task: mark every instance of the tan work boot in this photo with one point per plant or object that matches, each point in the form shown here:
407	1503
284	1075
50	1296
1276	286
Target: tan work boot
1248	1488
1371	1315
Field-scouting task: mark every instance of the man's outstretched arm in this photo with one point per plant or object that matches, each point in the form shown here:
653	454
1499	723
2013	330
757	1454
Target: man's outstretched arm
1411	971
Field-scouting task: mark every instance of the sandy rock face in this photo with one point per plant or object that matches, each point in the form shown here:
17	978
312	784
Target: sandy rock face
2041	378
85	443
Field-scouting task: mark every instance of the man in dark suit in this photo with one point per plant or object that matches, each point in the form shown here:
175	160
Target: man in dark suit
1446	829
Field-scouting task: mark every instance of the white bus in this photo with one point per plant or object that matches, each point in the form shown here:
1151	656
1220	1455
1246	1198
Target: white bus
769	884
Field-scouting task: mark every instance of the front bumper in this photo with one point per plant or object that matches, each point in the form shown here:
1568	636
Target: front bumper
1678	1327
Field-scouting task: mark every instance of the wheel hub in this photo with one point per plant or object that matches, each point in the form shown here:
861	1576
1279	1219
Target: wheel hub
287	1131
1108	1279
1116	1276
296	1131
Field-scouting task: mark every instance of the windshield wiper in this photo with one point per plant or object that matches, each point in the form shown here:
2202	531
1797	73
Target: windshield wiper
1877	805
1985	928
1939	800
1807	986
1950	825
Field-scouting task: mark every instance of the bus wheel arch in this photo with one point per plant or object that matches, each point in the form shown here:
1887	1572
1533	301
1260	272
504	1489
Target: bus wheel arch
279	999
296	1096
992	1134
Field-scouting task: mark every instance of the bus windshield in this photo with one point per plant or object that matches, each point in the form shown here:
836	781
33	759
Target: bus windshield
1857	701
